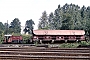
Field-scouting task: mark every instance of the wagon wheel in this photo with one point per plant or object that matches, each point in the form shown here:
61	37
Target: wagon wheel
52	41
87	39
65	41
36	42
40	41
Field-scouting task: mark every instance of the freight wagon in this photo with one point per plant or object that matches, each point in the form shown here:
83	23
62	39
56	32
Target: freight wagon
58	35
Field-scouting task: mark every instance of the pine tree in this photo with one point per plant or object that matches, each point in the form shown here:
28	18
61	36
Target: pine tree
43	23
58	18
51	21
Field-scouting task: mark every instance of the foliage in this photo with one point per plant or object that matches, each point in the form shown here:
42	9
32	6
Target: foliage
88	42
67	17
2	27
26	37
1	38
84	43
74	45
69	45
43	23
29	26
51	21
15	26
57	18
16	34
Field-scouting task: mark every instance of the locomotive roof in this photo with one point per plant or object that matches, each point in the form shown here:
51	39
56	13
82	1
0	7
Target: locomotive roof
59	32
8	35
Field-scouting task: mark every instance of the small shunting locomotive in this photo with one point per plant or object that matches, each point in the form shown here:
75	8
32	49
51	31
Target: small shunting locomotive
12	39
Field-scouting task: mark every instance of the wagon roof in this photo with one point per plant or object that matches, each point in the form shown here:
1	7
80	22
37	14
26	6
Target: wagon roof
59	32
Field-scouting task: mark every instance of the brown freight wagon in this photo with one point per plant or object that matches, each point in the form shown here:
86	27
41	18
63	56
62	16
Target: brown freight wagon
58	35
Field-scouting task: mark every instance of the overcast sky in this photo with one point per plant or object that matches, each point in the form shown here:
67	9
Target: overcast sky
32	9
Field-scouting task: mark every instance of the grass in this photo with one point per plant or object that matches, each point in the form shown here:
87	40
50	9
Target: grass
74	45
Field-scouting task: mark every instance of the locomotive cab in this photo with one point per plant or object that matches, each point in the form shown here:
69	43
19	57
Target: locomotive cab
7	38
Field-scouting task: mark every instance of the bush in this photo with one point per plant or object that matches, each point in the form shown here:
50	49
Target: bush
16	34
1	38
69	45
26	38
88	42
83	43
74	45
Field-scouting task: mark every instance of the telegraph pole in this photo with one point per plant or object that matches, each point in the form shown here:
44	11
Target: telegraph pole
7	32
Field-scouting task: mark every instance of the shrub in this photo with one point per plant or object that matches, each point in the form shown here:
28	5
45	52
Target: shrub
83	43
68	45
26	38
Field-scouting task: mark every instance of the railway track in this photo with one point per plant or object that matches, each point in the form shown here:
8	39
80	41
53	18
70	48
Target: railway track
42	53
